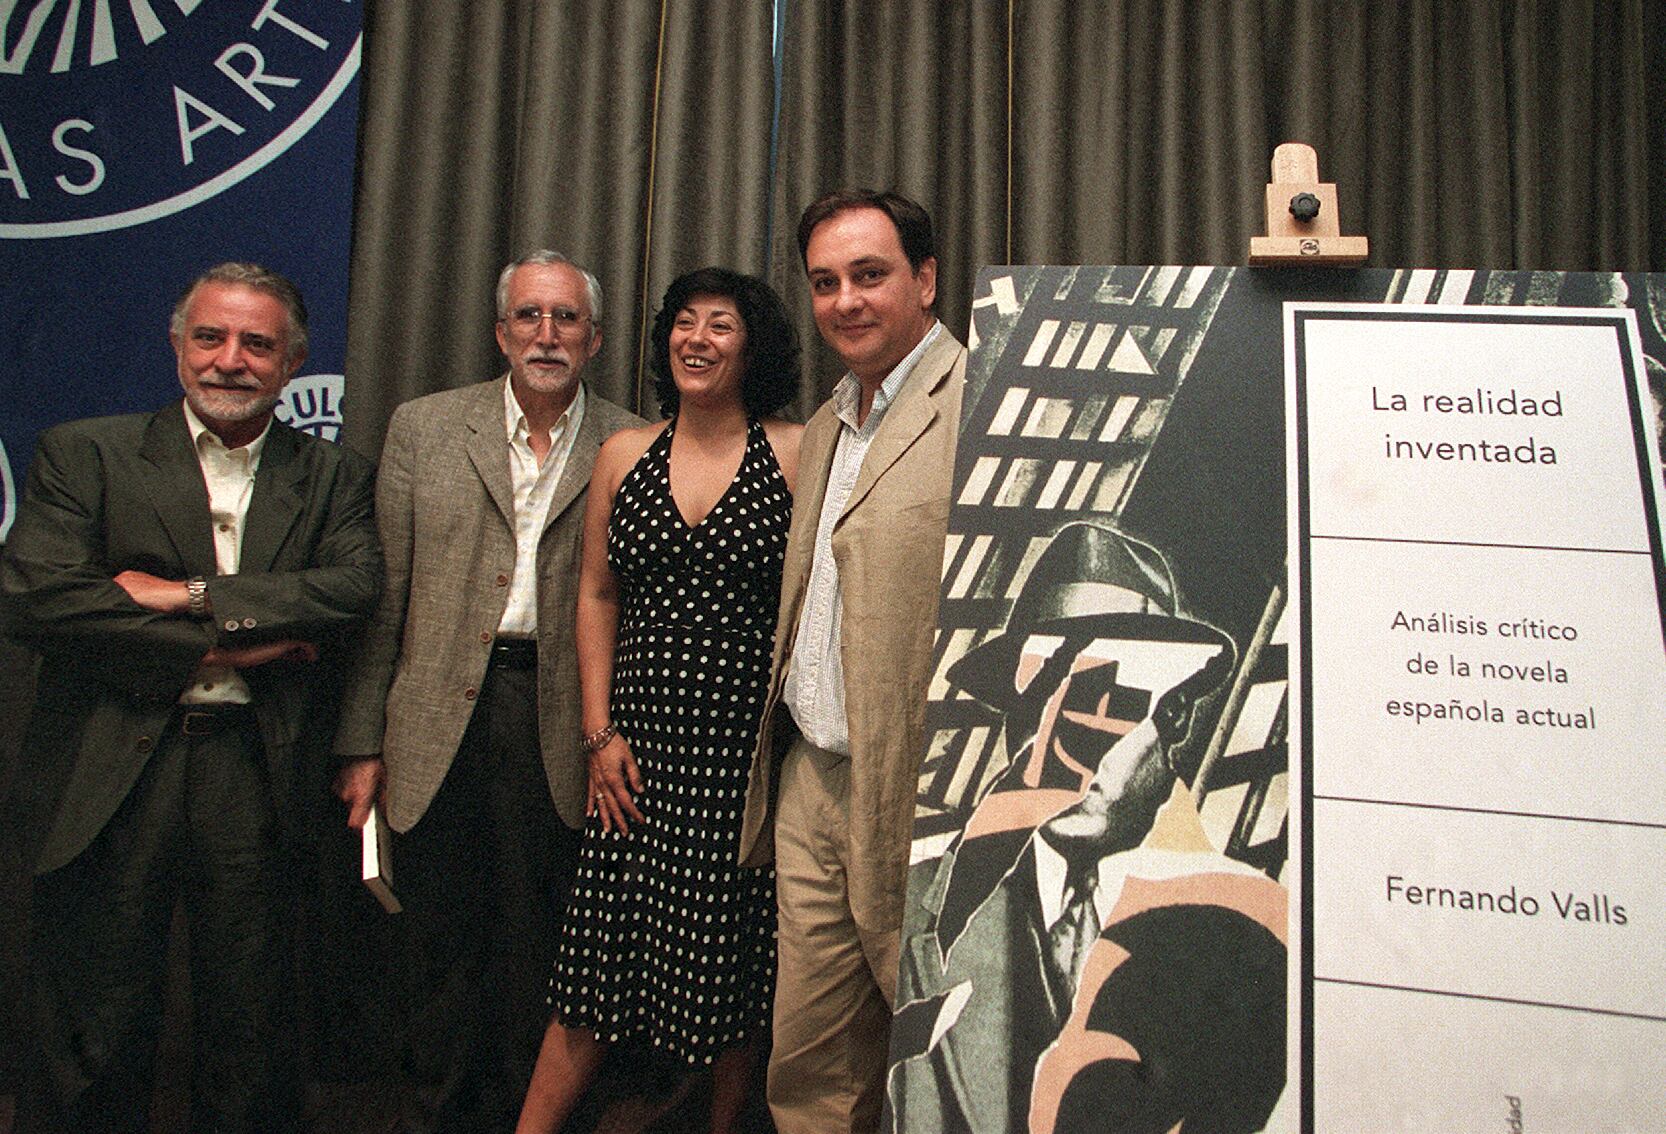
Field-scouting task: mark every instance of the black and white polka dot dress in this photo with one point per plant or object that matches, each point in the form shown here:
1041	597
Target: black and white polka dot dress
666	940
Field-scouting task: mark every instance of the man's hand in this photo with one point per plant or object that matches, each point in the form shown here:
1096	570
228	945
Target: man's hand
165	596
247	657
359	784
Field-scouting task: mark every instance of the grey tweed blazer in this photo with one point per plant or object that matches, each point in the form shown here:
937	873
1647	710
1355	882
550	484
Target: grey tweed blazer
445	511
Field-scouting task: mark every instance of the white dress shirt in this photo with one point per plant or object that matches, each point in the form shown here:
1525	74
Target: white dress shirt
815	686
229	475
534	489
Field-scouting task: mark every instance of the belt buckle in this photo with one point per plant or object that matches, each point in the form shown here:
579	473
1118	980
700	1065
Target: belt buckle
196	722
514	653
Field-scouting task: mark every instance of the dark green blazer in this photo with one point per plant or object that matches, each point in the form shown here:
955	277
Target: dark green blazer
110	494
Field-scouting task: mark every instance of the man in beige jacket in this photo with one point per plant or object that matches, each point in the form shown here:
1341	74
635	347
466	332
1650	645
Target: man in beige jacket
853	653
465	695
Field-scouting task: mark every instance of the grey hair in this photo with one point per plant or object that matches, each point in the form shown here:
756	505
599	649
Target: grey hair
260	279
592	286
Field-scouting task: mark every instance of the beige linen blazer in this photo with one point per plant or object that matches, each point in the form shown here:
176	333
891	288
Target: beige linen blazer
889	546
445	510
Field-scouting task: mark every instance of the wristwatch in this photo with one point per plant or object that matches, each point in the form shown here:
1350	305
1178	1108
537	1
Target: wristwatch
196	587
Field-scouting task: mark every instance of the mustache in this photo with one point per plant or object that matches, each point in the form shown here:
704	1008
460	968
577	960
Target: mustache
232	382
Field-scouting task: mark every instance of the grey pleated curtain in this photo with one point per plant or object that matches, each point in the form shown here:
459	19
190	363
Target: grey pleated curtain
636	136
1509	133
632	136
910	95
1500	134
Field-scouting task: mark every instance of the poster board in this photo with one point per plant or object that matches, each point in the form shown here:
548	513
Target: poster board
1482	724
1106	894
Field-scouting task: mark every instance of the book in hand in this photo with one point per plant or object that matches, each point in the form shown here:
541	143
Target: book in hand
377	859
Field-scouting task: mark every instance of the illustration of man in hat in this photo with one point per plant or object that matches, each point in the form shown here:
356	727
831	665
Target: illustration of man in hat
1095	962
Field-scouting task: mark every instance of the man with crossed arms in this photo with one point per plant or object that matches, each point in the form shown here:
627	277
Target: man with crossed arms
181	573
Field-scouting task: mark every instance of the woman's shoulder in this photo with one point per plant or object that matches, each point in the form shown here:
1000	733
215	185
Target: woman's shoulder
623	449
784	437
630	443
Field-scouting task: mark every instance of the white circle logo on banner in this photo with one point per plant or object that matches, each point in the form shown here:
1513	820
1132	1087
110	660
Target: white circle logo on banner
8	494
118	112
312	403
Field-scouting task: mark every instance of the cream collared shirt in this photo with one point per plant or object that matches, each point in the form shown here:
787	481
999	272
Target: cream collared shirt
815	685
229	475
534	489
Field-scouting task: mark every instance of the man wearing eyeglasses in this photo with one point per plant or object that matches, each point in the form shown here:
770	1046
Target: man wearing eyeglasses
185	576
463	709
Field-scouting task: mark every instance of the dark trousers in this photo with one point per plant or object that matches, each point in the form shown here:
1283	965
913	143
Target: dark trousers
484	877
198	826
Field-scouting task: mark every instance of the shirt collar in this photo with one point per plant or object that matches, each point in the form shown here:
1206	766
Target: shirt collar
847	393
198	431
514	418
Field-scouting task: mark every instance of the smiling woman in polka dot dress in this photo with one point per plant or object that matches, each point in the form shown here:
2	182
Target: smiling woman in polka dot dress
667	941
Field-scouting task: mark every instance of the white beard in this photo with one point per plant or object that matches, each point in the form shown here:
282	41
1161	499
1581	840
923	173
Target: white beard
230	406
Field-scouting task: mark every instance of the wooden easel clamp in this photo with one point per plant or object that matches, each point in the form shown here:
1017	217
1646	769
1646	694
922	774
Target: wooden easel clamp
1303	226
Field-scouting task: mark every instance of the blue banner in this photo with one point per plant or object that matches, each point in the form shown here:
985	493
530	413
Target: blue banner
140	142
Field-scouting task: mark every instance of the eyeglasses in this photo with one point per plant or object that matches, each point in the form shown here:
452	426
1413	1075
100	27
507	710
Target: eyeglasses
524	321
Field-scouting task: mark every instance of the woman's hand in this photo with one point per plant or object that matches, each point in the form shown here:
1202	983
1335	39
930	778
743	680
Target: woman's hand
615	782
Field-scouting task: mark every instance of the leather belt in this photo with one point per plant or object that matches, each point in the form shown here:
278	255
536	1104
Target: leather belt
514	653
206	720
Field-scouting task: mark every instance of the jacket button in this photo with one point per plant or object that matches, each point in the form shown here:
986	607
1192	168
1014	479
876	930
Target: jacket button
503	580
470	694
485	635
231	624
145	744
248	624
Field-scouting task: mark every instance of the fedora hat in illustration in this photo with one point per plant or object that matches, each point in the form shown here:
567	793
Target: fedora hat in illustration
1091	581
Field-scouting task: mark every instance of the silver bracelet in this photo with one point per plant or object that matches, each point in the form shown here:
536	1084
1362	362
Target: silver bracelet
598	739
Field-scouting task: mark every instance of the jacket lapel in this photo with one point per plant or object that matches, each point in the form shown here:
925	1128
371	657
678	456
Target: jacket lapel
176	489
276	500
914	410
488	447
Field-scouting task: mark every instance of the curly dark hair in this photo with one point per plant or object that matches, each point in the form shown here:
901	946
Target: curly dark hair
772	372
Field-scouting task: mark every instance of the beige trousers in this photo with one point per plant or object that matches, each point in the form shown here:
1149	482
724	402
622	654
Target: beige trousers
835	982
